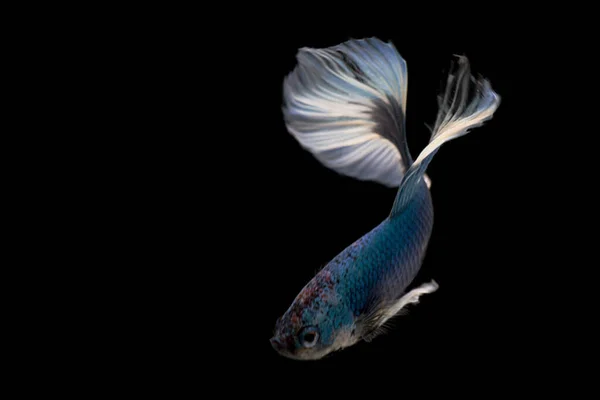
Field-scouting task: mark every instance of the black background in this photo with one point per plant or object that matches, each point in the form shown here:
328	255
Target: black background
244	217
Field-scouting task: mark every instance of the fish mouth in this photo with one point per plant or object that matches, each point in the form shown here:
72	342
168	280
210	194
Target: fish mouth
279	346
282	348
284	351
275	343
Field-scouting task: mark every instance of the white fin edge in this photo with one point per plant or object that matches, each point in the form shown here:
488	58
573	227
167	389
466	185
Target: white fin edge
411	297
427	181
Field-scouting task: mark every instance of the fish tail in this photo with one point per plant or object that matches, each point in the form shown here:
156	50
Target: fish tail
346	104
467	103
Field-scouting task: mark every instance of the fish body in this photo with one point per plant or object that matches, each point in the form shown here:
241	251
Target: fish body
346	105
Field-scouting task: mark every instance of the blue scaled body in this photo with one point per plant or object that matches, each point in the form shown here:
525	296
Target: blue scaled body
385	261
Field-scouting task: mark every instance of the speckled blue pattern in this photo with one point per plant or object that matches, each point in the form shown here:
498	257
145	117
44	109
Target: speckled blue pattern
384	261
378	267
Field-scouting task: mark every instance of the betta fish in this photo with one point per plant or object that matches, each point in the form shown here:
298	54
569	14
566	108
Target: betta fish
346	105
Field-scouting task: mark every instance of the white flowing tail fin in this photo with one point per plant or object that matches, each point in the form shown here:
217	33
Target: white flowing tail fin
346	105
466	104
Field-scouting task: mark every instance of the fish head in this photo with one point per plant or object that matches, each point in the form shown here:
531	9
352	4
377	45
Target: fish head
316	323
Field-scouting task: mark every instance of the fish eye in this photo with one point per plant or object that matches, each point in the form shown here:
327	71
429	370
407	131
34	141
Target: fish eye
308	336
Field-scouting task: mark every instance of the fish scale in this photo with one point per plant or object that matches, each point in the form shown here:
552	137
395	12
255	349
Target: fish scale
384	261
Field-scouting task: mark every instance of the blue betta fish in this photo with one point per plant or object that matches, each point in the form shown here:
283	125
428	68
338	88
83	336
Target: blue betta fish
346	105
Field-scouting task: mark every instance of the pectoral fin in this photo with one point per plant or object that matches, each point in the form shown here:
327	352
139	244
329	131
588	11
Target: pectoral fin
373	323
411	297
